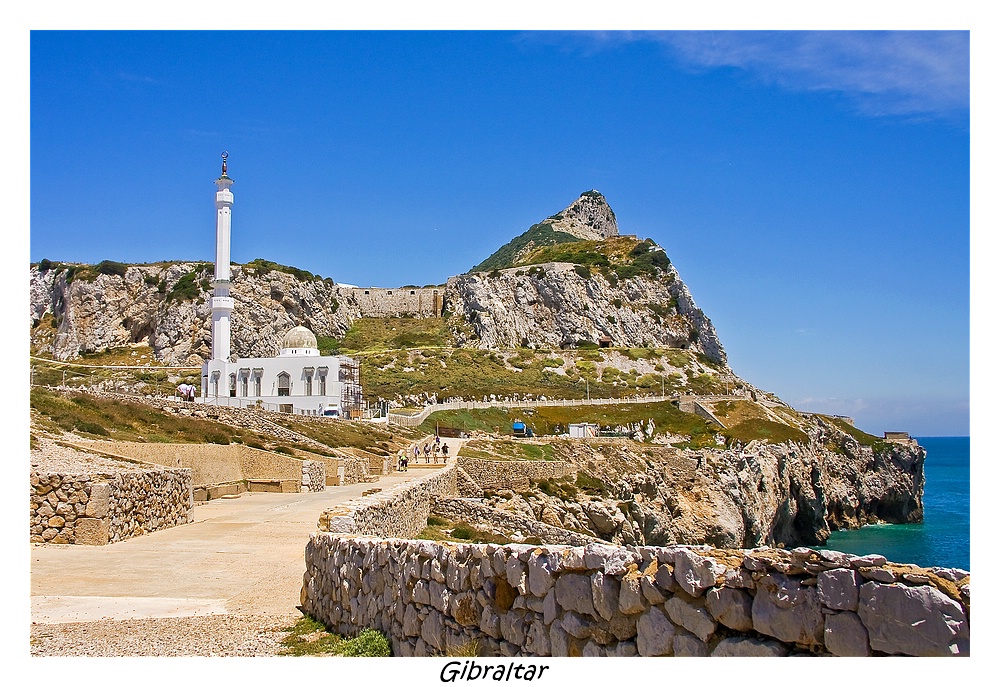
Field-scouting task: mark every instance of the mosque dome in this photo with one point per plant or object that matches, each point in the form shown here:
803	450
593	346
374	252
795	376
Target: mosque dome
299	341
299	337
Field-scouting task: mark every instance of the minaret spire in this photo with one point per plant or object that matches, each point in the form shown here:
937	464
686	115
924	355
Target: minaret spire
222	304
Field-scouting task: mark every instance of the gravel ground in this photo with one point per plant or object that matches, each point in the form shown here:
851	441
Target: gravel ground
48	456
210	635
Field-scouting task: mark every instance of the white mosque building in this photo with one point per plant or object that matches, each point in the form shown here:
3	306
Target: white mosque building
299	380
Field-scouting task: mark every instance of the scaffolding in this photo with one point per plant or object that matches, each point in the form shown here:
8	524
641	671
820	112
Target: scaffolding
350	375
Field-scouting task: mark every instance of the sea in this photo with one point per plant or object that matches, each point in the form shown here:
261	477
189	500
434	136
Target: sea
942	539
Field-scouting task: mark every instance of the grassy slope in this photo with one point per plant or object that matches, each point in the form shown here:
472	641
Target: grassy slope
126	421
541	234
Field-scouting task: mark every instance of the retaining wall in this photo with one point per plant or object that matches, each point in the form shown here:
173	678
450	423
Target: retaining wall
431	597
494	475
216	466
98	509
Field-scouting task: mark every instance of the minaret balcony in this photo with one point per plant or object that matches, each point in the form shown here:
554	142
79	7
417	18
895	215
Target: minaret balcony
222	303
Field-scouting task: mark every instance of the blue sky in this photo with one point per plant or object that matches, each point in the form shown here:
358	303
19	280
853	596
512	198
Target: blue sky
812	188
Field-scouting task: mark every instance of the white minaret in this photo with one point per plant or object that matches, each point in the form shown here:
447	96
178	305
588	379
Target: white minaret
222	304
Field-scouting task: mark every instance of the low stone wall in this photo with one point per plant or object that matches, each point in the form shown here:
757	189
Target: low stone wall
431	597
470	510
399	512
98	509
494	475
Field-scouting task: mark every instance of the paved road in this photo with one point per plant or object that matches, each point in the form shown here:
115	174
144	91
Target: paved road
241	556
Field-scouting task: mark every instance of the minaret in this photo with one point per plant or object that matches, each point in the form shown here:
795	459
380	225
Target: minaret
222	304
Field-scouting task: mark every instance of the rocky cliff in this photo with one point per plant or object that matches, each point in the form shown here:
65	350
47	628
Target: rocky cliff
757	494
572	280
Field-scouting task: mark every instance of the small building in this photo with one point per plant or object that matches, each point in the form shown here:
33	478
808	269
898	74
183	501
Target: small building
582	430
897	437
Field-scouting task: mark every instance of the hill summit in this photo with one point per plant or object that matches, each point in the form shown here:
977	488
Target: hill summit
588	218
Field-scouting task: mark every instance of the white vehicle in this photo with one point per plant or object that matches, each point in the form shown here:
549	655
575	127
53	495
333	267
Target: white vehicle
332	410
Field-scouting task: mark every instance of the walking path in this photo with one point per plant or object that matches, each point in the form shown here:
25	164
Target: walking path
238	556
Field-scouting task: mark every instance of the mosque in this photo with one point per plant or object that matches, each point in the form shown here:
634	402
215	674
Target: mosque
299	380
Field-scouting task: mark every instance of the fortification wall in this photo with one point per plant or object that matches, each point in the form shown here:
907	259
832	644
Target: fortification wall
493	475
98	509
422	302
430	598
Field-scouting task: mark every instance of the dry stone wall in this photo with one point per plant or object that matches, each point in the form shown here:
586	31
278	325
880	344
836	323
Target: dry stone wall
430	598
399	512
493	475
99	509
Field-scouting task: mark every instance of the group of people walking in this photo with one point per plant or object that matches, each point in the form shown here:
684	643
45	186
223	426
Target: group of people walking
437	449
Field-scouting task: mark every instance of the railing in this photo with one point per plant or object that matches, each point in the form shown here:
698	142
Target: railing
404	420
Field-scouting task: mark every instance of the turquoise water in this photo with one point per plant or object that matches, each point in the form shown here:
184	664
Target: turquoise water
942	539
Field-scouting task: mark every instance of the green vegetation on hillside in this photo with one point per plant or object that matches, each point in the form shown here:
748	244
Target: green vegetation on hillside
541	234
616	258
389	333
546	420
136	421
261	267
474	373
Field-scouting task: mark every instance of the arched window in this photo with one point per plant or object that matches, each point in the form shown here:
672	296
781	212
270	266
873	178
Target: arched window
284	384
232	384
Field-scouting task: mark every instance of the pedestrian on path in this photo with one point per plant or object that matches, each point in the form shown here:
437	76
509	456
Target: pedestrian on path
400	459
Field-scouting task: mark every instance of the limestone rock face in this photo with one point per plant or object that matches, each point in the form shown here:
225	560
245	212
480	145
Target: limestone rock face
147	305
553	305
588	217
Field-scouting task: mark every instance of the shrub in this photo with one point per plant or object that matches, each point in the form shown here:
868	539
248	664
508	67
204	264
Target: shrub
369	643
111	267
90	428
45	265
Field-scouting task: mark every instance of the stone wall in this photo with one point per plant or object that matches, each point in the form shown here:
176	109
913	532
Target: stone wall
493	475
98	509
423	302
432	597
313	475
399	512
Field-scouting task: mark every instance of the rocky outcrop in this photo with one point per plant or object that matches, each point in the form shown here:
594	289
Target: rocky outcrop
555	305
754	495
589	217
150	305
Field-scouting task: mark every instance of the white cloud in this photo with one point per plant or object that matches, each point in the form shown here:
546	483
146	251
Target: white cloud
884	72
912	73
